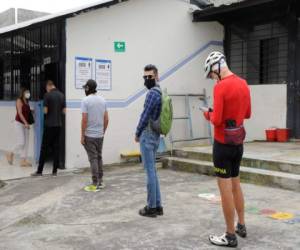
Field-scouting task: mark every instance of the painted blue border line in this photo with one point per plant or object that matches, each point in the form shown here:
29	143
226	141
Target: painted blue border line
75	104
125	103
8	103
171	71
12	103
188	59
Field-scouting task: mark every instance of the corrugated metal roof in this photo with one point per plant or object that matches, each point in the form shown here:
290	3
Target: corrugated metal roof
237	9
224	2
53	16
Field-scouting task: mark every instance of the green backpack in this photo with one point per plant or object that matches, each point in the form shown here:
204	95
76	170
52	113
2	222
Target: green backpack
164	123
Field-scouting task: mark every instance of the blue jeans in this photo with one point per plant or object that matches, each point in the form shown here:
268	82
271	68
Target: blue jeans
149	142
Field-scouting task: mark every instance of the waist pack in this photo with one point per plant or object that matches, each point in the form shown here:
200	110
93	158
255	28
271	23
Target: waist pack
235	136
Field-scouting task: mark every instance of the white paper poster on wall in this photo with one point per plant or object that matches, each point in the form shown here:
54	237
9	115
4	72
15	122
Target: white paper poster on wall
83	71
103	74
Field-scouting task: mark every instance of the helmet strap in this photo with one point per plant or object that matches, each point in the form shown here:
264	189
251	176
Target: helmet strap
219	71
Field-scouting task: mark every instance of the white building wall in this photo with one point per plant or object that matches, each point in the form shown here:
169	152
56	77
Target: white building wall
158	32
269	109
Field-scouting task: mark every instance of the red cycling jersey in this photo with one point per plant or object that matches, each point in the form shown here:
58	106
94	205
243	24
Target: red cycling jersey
232	101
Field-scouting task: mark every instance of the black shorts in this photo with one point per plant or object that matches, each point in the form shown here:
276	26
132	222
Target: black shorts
227	159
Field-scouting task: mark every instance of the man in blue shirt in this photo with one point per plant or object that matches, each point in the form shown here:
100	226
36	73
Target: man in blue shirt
149	141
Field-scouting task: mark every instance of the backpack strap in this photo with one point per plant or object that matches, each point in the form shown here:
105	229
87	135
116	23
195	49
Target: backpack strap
157	89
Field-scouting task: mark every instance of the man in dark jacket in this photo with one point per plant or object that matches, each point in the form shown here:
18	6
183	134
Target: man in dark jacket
54	108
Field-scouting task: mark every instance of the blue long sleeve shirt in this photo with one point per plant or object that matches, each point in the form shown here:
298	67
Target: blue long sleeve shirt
152	108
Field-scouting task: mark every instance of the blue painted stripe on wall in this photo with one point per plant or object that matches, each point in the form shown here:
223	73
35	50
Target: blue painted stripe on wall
75	104
113	103
7	103
13	104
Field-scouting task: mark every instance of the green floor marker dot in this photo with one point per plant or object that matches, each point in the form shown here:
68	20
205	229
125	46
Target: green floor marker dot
252	210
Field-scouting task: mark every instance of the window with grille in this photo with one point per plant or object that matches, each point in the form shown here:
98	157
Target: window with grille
22	59
268	65
259	53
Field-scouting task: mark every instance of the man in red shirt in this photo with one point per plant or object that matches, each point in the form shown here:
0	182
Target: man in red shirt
232	104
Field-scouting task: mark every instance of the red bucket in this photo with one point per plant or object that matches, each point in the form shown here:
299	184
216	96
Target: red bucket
271	134
283	134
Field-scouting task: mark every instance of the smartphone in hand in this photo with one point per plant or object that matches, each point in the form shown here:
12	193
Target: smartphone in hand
204	109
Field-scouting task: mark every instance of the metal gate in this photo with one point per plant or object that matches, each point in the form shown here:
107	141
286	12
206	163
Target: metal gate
29	57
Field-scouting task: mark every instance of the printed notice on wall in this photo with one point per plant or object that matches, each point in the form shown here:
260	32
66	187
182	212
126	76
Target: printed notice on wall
103	74
83	71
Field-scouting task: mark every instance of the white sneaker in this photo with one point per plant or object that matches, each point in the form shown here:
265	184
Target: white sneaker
223	240
101	185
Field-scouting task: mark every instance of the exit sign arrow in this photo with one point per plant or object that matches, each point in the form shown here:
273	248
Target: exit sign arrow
120	46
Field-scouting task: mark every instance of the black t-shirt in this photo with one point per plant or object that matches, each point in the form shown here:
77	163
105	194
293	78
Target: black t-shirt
55	102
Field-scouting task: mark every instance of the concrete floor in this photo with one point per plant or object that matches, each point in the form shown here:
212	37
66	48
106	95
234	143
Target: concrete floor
11	172
55	213
284	152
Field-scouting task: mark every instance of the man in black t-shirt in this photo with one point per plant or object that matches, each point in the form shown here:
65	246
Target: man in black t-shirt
54	108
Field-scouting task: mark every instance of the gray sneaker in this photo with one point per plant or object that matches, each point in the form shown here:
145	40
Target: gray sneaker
36	174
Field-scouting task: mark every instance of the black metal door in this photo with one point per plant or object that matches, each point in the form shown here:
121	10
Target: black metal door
294	96
293	88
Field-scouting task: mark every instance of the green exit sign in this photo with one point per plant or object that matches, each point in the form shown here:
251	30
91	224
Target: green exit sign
120	46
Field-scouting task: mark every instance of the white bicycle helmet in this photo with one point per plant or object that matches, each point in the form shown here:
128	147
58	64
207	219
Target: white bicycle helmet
213	58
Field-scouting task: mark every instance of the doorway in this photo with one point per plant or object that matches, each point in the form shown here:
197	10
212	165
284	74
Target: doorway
51	72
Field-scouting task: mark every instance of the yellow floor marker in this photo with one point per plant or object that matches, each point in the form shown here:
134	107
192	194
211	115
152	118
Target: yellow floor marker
127	155
135	153
282	216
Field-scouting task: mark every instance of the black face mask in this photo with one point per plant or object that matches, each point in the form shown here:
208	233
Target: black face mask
150	83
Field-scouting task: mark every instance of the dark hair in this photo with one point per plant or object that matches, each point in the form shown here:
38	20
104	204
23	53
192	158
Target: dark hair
21	94
50	83
91	86
151	67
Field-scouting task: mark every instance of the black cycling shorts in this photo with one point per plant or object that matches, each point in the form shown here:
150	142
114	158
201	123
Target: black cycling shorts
227	159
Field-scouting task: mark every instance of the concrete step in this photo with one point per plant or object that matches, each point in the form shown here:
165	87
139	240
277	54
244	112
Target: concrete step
251	175
2	184
279	166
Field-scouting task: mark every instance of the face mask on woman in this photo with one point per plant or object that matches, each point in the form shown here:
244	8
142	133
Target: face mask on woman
27	95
